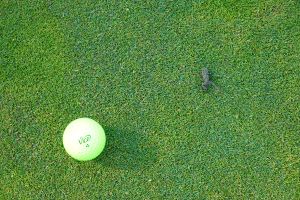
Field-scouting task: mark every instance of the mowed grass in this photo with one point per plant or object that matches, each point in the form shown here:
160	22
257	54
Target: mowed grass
134	66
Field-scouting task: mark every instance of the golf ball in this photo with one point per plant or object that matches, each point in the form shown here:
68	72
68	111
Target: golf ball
84	139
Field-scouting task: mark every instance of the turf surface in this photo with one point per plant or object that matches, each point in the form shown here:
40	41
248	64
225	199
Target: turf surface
134	66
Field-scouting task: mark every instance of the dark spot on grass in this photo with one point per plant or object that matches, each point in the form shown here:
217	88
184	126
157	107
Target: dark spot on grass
127	150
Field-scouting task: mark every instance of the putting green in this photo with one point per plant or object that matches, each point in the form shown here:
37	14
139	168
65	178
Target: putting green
135	68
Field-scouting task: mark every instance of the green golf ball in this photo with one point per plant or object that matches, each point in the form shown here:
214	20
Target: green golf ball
84	139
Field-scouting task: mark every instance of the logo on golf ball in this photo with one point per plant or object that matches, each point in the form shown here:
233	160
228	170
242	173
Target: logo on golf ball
85	139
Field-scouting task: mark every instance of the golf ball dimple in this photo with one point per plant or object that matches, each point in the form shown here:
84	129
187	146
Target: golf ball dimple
84	139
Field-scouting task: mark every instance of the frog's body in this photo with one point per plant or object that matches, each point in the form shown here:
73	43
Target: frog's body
205	76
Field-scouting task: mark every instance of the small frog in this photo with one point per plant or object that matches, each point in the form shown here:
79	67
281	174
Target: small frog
206	81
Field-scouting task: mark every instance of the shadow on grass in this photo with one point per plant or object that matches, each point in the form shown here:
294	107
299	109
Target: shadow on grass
127	150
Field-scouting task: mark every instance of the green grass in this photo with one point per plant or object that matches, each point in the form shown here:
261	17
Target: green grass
134	67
